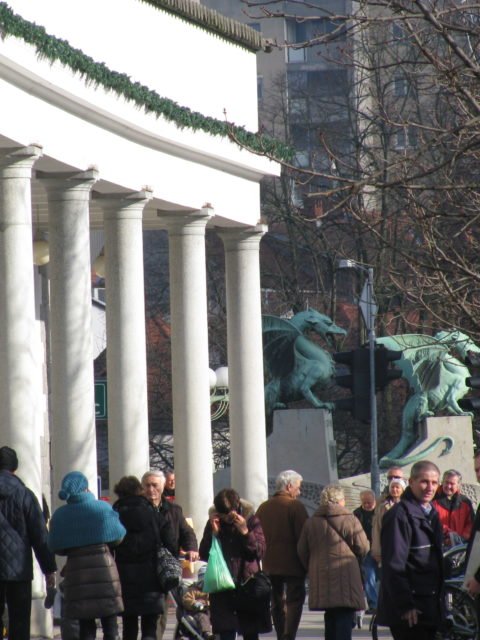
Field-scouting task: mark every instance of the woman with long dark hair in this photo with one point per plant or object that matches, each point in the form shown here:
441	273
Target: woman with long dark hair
136	558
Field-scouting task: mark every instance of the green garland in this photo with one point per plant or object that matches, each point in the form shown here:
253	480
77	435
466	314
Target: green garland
55	50
213	21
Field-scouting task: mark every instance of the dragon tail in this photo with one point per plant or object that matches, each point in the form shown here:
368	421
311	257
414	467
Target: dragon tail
449	442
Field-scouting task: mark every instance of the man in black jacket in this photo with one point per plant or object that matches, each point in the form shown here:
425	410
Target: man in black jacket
22	528
153	483
473	586
370	573
410	600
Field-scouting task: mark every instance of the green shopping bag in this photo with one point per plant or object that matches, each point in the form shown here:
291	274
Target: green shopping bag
217	575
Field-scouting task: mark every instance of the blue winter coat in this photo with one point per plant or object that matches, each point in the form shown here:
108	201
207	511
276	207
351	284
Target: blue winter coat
412	565
84	521
22	527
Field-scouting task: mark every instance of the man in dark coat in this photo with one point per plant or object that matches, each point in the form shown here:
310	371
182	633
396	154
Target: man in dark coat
169	489
410	600
153	483
282	518
370	573
22	528
473	585
135	558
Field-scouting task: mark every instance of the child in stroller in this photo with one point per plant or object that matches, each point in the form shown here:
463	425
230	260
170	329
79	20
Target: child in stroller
193	612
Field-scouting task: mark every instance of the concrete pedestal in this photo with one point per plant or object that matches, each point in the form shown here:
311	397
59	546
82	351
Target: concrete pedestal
302	440
459	456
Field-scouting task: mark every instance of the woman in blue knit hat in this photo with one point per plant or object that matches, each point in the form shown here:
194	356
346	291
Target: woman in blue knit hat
84	530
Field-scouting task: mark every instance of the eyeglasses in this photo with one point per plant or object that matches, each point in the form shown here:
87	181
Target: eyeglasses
394	477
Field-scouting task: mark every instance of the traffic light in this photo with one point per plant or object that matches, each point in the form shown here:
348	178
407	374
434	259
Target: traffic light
358	381
471	404
383	372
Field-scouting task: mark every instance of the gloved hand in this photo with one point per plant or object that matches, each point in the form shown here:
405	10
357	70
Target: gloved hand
50	597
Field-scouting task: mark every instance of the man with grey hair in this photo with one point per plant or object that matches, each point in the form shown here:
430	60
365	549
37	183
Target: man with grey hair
454	509
282	518
370	574
410	600
153	483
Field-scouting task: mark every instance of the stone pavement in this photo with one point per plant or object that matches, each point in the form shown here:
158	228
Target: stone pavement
311	628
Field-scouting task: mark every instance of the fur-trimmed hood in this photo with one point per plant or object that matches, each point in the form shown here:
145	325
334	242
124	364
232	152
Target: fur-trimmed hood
247	509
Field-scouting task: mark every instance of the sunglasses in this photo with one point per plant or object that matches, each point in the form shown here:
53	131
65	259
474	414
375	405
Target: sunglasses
394	477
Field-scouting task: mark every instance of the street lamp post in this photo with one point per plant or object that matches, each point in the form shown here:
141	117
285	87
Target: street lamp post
370	322
368	308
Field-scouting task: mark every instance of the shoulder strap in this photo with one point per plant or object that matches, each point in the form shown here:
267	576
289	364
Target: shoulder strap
339	535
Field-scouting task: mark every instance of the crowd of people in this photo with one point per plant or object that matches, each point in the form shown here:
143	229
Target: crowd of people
384	557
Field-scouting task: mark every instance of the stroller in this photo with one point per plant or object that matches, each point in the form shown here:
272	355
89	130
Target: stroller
186	627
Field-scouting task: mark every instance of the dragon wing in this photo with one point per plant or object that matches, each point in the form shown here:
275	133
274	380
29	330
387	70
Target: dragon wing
278	345
427	374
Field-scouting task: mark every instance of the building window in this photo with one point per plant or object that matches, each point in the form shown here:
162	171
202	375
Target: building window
301	31
300	135
406	138
298	107
297	83
260	87
311	84
398	32
401	86
296	55
302	159
412	137
331	82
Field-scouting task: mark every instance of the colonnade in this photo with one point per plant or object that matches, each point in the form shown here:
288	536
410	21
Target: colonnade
72	415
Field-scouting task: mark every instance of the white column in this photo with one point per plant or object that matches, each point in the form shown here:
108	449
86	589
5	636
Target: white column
73	439
19	339
128	443
245	362
190	364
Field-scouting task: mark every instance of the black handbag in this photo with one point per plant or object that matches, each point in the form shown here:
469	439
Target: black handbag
167	567
253	595
169	570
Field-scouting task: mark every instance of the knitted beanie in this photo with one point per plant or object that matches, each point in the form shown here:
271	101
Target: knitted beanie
8	459
399	481
73	484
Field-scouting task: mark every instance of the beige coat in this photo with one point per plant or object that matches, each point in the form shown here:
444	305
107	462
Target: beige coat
380	511
330	547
